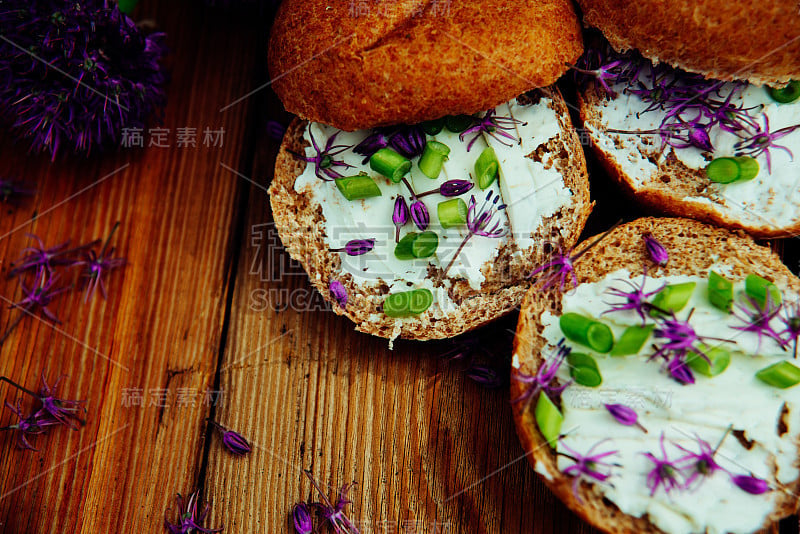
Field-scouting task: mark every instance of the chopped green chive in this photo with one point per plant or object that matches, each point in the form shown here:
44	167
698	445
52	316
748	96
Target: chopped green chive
583	369
486	167
390	164
425	244
758	288
402	251
549	419
358	187
748	168
587	331
632	340
433	127
407	303
673	297
458	123
787	94
720	359
452	212
720	291
433	157
723	170
780	375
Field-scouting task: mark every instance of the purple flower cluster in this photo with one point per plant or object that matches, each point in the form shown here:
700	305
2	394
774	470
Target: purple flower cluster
693	105
233	441
542	380
590	466
493	125
328	513
75	75
190	516
408	141
52	411
635	298
324	159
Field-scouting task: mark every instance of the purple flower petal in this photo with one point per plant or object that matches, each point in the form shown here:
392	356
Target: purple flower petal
750	484
419	214
338	292
656	250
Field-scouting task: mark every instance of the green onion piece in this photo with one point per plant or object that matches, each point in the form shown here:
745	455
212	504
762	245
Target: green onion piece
549	419
452	212
758	288
458	123
421	300
407	303
787	94
723	170
390	164
402	251
587	331
673	297
720	359
433	157
433	127
425	244
748	168
583	369
780	375
720	291
126	6
486	167
358	187
632	340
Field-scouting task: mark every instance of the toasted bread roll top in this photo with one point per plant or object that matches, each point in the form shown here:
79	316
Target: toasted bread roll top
356	65
753	40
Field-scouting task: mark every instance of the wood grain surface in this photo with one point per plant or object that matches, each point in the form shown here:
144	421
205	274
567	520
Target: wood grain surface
210	302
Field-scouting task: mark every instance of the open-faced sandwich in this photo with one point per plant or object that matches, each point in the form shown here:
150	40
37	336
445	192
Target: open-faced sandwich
694	107
431	161
655	381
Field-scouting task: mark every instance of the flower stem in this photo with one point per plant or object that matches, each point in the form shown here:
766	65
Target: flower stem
108	240
453	259
26	390
410	189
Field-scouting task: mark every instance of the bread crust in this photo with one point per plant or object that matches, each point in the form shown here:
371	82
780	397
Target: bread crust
357	65
699	244
754	40
301	227
667	191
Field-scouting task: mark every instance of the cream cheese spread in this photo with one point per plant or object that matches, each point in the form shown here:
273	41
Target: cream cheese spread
682	413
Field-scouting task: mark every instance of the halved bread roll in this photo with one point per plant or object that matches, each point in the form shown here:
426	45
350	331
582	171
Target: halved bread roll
755	479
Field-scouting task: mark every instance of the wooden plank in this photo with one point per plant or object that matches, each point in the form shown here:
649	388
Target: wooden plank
161	325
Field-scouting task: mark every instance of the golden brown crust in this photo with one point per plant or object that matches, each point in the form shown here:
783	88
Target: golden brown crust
301	226
754	40
700	245
356	65
669	190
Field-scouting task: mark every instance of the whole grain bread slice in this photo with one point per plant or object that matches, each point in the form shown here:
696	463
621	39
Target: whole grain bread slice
367	63
301	226
674	188
700	246
757	41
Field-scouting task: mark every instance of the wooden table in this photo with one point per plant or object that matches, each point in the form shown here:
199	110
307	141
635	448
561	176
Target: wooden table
210	319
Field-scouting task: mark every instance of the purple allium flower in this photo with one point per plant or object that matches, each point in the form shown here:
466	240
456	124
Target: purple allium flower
543	379
324	162
558	270
39	296
608	67
301	518
756	320
419	214
679	370
762	141
400	215
334	513
493	125
590	467
635	299
484	376
480	221
190	519
624	415
27	425
701	463
83	74
451	188
38	258
97	265
750	484
658	254
10	189
338	292
64	411
409	141
356	247
664	473
233	441
680	338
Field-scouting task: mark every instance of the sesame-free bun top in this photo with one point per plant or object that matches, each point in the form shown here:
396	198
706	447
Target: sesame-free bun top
360	64
753	40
